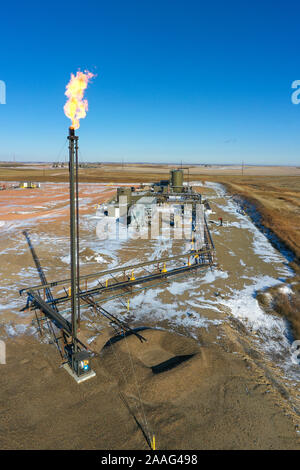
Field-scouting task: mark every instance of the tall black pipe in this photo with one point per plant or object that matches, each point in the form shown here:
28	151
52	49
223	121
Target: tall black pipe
77	233
72	140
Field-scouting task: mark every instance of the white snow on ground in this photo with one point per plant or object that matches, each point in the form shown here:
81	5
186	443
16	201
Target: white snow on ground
194	320
178	288
10	305
274	335
204	303
232	224
17	225
67	259
286	290
243	305
19	330
212	275
100	259
263	248
148	305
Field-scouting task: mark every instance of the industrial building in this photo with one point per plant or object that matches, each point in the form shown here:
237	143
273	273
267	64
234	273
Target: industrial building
167	202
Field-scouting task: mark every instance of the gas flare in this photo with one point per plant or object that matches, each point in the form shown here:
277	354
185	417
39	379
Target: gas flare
76	107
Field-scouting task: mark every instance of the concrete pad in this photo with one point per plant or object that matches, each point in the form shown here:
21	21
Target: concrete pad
82	378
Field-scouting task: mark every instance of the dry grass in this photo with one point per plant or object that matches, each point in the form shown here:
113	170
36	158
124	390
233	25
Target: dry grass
101	174
285	305
116	172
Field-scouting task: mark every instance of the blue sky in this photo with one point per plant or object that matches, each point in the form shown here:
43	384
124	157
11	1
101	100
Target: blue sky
201	82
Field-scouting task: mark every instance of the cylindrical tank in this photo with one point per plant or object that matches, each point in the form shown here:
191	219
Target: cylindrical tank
177	180
124	191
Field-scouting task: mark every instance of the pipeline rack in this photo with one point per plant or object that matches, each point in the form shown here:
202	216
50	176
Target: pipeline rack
195	259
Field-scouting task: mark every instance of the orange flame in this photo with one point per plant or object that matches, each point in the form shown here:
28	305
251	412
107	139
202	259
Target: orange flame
76	107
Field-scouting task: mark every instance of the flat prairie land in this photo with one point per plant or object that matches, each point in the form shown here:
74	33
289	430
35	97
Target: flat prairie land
109	172
275	190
